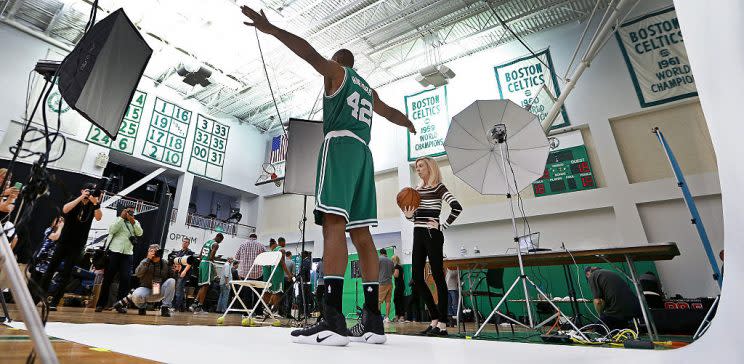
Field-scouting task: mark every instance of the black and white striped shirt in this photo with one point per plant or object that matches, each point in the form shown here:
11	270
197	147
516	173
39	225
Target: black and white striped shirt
431	206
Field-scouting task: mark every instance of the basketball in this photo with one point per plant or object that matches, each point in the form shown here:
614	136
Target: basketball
408	197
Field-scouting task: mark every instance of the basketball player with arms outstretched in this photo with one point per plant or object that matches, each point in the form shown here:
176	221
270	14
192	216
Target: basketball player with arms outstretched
345	197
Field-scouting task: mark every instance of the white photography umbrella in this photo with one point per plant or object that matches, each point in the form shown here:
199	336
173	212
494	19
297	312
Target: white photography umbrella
499	148
474	153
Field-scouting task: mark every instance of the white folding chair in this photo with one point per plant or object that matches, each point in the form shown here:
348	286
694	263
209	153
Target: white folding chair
257	287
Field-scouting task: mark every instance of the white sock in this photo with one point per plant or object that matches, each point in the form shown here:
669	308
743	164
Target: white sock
434	323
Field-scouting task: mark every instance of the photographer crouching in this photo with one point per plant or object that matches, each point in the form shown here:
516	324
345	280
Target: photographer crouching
120	246
156	284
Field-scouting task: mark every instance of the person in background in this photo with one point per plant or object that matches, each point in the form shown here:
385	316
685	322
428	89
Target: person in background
613	299
182	273
289	299
7	205
206	272
452	294
246	255
44	255
428	240
123	234
156	284
399	290
275	291
78	216
225	278
386	283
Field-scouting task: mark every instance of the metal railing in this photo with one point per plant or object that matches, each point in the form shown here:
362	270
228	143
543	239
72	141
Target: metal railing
139	206
229	228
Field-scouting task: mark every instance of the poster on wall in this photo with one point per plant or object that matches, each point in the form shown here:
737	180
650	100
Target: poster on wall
567	169
208	148
530	82
655	54
166	137
428	112
127	130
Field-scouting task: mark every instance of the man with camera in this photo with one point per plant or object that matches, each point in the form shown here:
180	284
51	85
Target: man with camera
182	271
78	216
121	240
156	284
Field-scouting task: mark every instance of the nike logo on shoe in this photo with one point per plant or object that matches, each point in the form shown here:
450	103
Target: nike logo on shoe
366	338
320	340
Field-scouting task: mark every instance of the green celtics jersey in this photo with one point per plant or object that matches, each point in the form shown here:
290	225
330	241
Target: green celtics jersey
206	249
350	107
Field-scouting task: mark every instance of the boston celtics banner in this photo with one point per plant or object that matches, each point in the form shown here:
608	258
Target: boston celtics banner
428	112
531	83
655	53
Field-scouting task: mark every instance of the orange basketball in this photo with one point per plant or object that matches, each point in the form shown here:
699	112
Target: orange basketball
408	197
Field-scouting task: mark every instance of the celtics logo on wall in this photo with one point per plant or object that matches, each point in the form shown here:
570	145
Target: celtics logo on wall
56	103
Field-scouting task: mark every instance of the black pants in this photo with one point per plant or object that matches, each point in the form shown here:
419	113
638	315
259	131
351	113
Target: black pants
428	243
120	264
398	301
70	253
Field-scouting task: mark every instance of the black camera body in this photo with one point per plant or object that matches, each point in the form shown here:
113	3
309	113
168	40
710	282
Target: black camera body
102	185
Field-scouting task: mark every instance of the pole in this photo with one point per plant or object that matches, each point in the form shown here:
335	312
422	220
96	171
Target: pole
598	42
690	202
516	234
25	303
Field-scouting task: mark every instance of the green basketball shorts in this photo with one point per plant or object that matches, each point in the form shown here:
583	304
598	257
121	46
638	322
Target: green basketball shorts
345	181
205	273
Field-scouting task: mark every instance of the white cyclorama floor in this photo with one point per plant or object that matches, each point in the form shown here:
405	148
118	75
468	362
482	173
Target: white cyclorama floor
213	344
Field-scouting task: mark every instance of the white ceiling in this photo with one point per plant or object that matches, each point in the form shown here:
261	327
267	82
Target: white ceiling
392	39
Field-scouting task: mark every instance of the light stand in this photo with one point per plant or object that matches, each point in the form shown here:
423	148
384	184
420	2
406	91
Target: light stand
303	222
498	135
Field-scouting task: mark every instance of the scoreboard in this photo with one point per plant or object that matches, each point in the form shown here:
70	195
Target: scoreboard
567	170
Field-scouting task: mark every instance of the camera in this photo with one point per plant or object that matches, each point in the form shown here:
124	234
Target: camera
133	240
184	260
158	253
99	187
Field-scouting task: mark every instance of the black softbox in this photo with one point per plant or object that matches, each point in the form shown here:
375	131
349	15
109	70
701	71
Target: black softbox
99	77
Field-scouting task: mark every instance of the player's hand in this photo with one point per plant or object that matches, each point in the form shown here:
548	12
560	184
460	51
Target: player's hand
411	129
433	223
260	21
409	211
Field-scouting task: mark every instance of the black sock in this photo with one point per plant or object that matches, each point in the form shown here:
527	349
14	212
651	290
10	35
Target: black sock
372	296
334	292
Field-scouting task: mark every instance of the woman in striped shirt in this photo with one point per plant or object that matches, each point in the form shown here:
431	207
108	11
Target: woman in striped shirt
428	241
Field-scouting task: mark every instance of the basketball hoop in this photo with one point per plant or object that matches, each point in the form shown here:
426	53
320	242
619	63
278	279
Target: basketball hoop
268	175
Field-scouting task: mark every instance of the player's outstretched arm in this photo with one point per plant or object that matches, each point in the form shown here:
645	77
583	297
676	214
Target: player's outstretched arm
296	44
392	114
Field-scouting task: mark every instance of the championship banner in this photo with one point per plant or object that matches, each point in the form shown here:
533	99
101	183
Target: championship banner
428	112
531	83
655	54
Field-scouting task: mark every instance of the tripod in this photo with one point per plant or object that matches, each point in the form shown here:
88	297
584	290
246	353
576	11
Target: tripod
499	136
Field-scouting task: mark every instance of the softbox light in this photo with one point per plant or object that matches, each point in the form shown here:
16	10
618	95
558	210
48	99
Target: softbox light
99	77
305	139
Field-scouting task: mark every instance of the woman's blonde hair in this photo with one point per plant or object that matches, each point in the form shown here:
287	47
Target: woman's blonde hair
435	176
395	260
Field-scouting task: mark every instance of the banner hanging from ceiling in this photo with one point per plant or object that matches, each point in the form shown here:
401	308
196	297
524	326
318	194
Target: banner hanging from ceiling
428	112
655	54
530	82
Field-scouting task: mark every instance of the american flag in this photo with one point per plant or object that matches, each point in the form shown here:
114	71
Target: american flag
278	149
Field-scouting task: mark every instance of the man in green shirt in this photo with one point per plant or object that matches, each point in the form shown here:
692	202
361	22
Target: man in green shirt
119	242
345	197
206	270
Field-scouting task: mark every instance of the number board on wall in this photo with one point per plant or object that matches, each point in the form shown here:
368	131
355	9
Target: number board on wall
208	149
127	131
166	137
567	168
